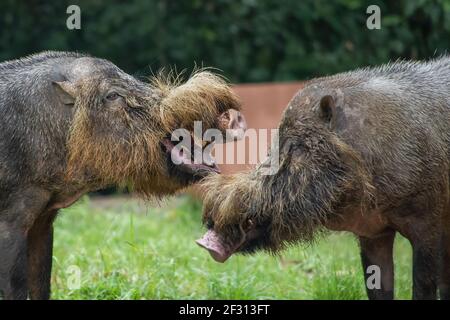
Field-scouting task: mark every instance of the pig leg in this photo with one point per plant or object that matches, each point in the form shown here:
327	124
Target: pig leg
15	222
444	279
424	235
444	283
423	230
13	276
40	248
424	238
379	252
425	270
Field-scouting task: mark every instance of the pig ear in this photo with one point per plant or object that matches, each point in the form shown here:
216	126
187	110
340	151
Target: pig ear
66	91
329	107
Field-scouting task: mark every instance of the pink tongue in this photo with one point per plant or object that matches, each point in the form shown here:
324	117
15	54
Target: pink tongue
212	242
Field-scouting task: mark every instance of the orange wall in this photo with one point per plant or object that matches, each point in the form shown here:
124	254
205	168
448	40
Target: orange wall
263	105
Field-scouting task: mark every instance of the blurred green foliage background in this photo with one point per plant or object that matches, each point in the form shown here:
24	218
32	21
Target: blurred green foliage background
249	40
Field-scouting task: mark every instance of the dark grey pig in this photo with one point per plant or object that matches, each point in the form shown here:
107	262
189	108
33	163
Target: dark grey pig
70	124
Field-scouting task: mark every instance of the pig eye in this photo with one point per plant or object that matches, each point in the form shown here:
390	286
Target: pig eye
112	96
248	224
210	224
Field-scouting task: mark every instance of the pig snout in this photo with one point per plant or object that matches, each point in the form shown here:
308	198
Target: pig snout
217	249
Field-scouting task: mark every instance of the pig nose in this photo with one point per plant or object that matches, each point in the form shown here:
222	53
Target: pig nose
212	242
216	254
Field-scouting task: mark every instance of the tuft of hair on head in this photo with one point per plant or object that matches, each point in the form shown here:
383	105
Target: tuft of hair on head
165	80
204	96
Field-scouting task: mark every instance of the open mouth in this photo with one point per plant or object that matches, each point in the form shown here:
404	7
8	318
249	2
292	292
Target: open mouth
189	157
192	160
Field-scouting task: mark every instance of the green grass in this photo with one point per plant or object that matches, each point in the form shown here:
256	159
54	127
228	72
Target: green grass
133	251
